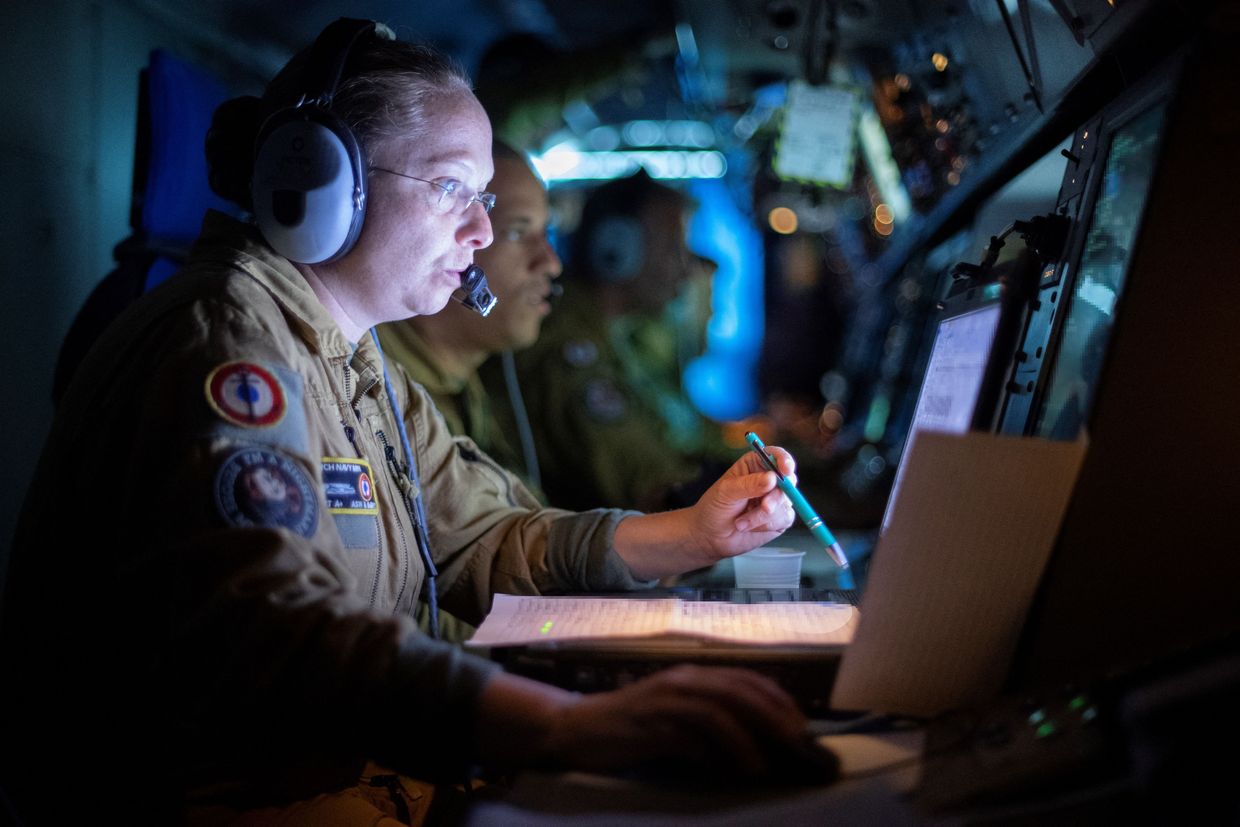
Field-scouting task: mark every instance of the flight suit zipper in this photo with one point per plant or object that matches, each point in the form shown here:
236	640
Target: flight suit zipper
406	489
351	434
412	506
348	388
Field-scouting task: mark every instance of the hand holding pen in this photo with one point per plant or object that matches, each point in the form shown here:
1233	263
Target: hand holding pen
800	505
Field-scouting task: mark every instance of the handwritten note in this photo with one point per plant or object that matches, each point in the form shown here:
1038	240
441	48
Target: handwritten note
521	620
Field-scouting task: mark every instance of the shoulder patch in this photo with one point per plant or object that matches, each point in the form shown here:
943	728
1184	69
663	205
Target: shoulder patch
244	393
605	402
580	353
348	485
257	487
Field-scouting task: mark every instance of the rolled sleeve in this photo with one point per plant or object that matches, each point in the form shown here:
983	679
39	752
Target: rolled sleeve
581	553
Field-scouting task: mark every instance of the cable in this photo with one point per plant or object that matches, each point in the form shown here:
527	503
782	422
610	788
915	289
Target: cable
1020	54
821	41
417	512
524	434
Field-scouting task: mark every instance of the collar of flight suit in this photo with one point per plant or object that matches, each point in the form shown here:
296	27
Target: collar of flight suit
241	246
403	344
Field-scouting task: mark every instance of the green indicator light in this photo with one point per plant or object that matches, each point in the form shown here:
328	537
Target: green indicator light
1077	702
546	627
1045	730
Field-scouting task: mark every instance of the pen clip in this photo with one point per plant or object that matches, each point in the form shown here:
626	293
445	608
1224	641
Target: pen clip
760	449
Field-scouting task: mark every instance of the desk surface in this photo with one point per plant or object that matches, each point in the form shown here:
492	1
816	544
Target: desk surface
878	773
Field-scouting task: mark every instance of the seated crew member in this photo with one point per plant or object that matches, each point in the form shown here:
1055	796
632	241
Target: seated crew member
176	650
655	349
601	440
443	352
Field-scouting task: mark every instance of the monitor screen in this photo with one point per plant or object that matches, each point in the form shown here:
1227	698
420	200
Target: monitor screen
953	378
1100	277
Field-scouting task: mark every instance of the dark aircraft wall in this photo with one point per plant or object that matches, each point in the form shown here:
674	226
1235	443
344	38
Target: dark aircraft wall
69	83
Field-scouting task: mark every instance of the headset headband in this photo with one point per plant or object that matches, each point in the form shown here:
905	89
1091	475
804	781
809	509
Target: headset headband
328	58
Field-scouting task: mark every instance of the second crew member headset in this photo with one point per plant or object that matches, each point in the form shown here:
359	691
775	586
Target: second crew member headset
308	186
614	236
616	247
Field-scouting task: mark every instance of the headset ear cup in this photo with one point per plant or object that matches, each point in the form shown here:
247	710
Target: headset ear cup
617	248
309	185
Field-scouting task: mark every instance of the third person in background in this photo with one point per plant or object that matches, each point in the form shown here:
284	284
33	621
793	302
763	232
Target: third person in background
601	438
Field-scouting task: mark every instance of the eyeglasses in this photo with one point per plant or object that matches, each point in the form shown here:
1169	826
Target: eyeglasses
454	196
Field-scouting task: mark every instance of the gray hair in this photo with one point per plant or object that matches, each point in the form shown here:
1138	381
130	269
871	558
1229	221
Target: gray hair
386	87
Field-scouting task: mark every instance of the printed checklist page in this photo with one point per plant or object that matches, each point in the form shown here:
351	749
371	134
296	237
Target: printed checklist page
518	620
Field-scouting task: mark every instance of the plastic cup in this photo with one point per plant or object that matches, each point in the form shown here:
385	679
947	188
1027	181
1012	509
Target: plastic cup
769	567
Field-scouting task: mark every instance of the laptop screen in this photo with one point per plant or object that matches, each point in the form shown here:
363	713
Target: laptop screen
953	378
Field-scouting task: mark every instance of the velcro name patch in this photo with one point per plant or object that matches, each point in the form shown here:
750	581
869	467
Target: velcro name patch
348	486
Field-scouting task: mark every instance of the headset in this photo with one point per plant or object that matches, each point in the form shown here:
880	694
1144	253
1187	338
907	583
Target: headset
616	247
309	180
613	233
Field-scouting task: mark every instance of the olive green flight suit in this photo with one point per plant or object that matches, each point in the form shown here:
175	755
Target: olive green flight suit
599	442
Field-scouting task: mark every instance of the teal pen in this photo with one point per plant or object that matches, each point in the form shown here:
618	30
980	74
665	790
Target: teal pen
803	509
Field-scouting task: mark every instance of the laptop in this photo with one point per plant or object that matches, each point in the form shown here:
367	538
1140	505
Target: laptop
962	350
946	401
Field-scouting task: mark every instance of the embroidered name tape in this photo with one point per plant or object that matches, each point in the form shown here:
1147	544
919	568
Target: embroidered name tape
246	394
348	485
256	487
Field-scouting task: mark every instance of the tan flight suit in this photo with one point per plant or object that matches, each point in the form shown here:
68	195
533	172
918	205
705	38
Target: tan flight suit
215	569
468	411
598	440
470	408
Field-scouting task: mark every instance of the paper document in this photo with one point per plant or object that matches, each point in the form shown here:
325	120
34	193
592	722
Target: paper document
519	620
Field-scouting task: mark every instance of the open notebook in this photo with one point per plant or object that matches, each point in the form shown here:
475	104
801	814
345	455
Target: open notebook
953	577
525	620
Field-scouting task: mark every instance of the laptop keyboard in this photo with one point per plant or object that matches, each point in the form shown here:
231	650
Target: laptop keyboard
848	596
806	675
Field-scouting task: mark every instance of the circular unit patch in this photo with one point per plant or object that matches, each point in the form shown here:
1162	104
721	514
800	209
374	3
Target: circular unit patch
257	487
580	353
605	402
246	394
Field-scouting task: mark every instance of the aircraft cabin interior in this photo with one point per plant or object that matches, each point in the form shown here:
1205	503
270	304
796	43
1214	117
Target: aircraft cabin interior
969	261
